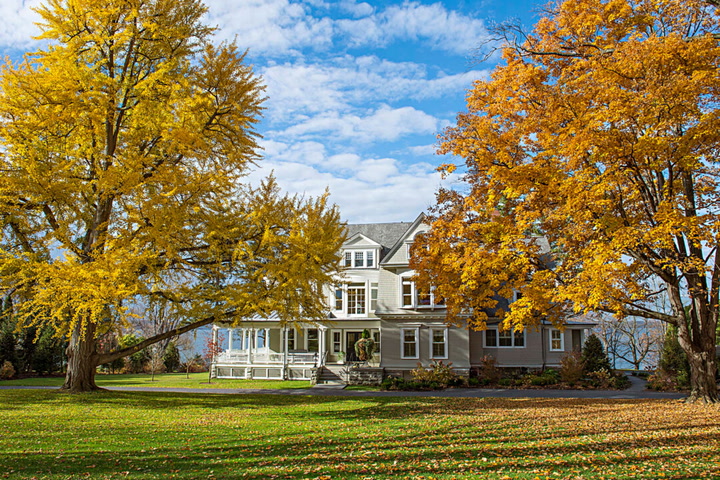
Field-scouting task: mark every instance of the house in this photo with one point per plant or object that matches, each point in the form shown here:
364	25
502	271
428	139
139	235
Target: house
377	294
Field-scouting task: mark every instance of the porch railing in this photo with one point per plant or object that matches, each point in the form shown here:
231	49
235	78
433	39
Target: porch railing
266	358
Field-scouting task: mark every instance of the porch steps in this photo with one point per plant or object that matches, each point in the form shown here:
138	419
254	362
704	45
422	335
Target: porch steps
330	376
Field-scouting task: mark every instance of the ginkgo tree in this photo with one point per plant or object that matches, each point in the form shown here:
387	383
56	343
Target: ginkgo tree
599	132
125	142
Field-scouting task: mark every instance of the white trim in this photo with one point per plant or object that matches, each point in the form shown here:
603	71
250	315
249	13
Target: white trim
497	338
359	258
405	279
332	341
550	340
444	330
416	331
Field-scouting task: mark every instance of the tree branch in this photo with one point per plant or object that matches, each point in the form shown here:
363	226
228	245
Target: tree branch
109	357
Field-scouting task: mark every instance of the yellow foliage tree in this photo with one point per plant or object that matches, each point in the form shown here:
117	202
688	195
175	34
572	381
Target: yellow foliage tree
124	146
600	132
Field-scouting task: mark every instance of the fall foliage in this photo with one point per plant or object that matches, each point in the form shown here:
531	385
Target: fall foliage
600	133
124	146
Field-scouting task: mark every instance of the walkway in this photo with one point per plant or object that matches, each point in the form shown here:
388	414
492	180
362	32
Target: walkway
636	391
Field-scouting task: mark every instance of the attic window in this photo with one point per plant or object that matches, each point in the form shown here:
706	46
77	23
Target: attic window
359	259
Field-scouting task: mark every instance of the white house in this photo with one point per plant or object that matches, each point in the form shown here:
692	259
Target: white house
377	294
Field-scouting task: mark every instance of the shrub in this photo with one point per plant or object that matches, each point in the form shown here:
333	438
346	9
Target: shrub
600	379
662	381
489	370
594	357
438	373
393	383
571	367
7	371
620	382
505	382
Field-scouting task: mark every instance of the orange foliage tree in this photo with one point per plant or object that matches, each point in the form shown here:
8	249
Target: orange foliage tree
600	133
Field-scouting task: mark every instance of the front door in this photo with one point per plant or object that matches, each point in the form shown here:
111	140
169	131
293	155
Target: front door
350	339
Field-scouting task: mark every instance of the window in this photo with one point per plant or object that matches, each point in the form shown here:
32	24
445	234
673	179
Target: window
438	343
261	338
359	259
356	299
373	296
409	338
338	303
408	288
313	340
557	341
337	341
376	337
504	339
291	339
413	297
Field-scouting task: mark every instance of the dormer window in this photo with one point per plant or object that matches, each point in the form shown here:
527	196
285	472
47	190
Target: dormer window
359	259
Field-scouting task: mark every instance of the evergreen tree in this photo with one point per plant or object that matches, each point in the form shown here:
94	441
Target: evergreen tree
171	357
673	359
594	355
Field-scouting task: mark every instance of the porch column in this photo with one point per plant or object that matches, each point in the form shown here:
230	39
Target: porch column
284	349
230	339
251	344
322	347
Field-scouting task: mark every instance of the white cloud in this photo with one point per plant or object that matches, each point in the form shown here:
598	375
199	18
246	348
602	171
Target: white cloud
269	26
307	89
361	9
17	23
422	150
384	124
433	25
376	192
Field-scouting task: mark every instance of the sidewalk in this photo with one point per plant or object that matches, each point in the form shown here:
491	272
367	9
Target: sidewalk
636	391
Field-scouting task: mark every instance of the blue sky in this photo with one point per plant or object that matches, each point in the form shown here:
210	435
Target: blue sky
357	91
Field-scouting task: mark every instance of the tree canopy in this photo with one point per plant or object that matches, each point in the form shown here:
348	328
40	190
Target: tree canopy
125	144
599	133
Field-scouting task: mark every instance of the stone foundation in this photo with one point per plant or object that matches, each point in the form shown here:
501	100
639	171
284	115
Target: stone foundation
365	376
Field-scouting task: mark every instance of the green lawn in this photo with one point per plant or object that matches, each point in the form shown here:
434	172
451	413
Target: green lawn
196	380
140	435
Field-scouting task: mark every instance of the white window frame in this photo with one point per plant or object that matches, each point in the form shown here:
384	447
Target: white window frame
373	297
338	344
415	304
335	299
353	258
497	338
359	286
416	342
307	339
562	340
291	338
444	331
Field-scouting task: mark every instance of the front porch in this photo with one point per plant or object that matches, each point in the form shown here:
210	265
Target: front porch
266	350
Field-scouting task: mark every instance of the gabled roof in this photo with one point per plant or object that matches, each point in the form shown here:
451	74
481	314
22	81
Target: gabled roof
386	234
401	240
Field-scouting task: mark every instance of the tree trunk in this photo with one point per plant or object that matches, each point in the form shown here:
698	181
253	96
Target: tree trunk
697	339
82	361
703	367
